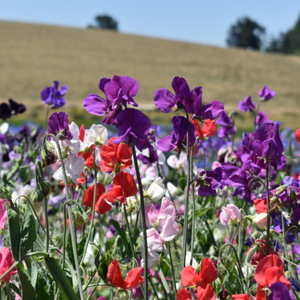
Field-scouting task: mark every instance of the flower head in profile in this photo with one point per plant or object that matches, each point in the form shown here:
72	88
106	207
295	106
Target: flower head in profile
246	105
54	97
266	94
115	278
58	123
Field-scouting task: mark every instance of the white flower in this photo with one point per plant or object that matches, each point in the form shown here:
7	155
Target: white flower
21	191
156	190
4	128
74	166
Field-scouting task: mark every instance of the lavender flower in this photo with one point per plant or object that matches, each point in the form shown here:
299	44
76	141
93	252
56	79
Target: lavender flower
52	96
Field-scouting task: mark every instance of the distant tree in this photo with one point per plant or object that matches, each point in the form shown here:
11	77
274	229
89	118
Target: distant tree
105	22
293	36
246	33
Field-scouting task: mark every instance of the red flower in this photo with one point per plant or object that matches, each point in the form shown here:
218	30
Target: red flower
209	128
115	278
261	251
241	297
115	157
261	206
122	187
101	205
208	273
202	294
297	135
6	261
268	271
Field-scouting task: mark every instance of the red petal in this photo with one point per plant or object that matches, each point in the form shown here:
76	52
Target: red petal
126	181
240	297
88	195
188	276
274	275
209	128
261	206
82	132
266	263
183	294
205	294
134	278
114	275
208	272
297	135
102	206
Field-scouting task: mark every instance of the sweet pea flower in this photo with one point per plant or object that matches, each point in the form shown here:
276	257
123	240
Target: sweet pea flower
21	191
52	96
260	220
266	94
74	167
133	126
115	278
240	297
230	215
3	213
261	251
208	273
209	128
206	293
246	105
58	123
280	291
6	261
156	190
209	182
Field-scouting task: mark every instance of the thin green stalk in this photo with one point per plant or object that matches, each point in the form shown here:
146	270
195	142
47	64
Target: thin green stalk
93	212
143	221
153	288
172	267
269	213
47	223
194	208
128	228
186	203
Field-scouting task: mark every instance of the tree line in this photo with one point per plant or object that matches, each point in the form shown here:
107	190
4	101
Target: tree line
247	33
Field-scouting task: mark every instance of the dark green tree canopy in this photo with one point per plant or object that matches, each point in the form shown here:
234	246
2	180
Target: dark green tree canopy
105	22
246	33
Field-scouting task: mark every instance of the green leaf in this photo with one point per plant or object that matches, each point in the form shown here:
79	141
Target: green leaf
164	281
24	173
28	233
103	266
198	213
205	243
28	292
32	270
60	278
33	154
81	247
123	235
70	251
45	288
13	231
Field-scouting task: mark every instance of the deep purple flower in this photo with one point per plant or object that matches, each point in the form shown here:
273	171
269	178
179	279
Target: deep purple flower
267	142
5	111
227	129
52	96
177	139
266	94
153	157
59	123
121	89
16	108
246	105
133	126
164	100
209	182
96	105
234	176
280	291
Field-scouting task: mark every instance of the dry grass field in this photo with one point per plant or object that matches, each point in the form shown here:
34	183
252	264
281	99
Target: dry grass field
32	56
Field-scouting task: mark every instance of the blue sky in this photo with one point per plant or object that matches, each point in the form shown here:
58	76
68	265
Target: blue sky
205	22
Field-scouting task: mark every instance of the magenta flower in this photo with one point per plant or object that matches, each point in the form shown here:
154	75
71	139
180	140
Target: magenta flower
133	126
3	213
246	105
52	96
266	94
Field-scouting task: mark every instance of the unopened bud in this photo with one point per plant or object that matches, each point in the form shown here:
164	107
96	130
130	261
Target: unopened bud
37	195
48	154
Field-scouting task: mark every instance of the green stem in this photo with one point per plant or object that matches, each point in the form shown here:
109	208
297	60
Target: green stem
93	212
186	204
194	208
172	268
143	221
128	228
47	223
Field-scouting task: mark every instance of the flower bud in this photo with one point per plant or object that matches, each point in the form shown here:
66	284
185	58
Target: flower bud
37	195
80	218
48	154
260	220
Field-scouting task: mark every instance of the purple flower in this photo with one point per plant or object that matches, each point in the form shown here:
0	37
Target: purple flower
234	176
52	96
266	94
246	105
121	89
280	291
96	105
59	123
227	129
261	118
177	139
5	111
133	126
209	182
164	100
267	142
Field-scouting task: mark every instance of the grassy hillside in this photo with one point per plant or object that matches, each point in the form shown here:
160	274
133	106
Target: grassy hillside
32	56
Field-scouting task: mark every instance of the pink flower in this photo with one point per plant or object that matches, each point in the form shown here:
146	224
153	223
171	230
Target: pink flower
6	261
230	215
3	213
